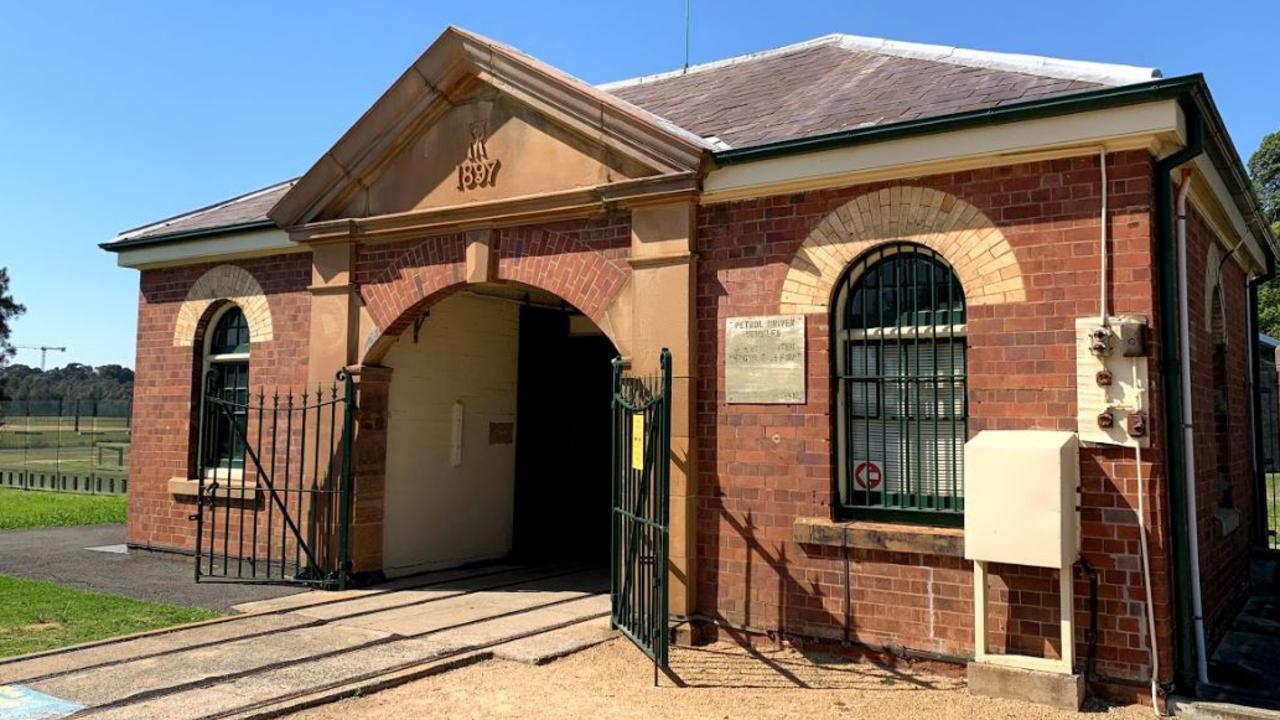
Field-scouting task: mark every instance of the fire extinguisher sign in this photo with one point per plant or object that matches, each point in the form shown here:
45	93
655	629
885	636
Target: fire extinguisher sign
868	474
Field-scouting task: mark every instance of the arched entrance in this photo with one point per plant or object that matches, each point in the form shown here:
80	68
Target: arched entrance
497	432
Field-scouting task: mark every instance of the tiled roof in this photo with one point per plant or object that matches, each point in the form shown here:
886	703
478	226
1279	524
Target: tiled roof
248	209
831	83
839	82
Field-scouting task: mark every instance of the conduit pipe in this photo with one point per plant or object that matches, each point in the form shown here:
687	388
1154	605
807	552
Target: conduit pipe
1188	434
1103	304
1152	646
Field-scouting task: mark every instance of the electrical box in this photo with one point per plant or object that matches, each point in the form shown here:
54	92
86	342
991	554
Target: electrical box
1111	381
1020	489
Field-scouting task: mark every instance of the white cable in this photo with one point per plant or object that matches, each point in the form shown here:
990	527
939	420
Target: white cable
1146	584
1102	241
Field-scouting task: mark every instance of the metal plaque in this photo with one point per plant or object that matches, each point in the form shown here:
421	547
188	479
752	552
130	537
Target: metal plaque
764	360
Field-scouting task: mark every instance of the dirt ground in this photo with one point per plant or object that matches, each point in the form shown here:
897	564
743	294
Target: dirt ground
614	680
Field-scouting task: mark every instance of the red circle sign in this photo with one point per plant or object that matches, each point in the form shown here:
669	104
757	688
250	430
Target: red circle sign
867	475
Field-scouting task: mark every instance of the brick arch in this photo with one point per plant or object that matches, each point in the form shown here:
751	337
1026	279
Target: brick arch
1215	316
976	249
430	270
224	282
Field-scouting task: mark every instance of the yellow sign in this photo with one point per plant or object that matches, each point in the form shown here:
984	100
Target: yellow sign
637	442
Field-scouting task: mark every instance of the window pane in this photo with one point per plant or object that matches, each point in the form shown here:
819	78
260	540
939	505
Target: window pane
231	334
903	382
226	415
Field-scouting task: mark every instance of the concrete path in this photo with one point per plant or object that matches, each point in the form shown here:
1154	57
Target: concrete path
63	555
301	650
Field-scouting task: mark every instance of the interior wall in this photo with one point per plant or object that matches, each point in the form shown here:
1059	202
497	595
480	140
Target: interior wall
438	514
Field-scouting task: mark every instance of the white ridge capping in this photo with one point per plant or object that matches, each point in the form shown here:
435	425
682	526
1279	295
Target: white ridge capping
1082	70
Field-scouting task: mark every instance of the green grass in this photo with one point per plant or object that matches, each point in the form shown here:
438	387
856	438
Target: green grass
33	508
37	615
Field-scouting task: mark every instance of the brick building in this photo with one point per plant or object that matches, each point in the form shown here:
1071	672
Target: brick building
931	227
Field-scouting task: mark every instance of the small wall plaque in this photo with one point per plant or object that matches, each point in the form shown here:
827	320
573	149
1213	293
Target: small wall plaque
764	360
502	433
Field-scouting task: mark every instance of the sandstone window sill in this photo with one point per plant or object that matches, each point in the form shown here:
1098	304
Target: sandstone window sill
891	537
234	489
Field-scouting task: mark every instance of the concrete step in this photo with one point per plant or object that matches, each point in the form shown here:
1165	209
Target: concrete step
321	597
413	599
1213	710
122	681
548	646
310	681
146	645
480	605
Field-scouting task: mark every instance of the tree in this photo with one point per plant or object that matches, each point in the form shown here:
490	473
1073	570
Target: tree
9	309
1264	168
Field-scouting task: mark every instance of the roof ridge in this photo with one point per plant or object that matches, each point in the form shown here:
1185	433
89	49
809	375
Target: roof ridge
723	62
142	229
1060	68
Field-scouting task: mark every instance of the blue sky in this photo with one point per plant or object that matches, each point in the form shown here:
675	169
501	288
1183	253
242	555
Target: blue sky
116	114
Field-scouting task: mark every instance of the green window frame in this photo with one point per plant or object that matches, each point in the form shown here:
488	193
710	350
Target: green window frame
226	377
901	386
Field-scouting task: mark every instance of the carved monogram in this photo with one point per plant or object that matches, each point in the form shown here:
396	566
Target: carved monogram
477	170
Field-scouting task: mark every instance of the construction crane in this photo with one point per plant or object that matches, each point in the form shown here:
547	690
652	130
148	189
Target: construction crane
44	349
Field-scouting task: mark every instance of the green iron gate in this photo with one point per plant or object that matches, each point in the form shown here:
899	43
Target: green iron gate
274	502
641	507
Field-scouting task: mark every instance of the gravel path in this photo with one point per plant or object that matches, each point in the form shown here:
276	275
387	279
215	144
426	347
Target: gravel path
723	681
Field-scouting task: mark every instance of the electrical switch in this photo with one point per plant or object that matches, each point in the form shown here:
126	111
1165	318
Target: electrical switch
1136	424
1100	341
1133	339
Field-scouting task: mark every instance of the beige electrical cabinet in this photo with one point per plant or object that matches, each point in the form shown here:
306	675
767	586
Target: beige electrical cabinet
1020	490
1020	497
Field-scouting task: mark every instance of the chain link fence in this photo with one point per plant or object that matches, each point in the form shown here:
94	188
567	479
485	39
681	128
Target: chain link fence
69	446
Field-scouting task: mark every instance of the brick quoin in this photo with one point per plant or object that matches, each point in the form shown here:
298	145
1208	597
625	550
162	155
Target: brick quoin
1022	376
167	384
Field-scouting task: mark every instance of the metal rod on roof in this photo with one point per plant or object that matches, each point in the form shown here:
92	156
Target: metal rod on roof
686	36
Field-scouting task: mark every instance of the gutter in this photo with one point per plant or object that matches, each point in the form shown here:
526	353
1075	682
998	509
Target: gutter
1162	89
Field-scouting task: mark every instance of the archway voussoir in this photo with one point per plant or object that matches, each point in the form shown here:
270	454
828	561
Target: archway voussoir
958	231
224	282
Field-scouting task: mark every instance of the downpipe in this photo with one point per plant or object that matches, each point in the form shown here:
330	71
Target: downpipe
1188	435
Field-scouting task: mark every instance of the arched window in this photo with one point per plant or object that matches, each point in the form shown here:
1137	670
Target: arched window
225	393
902	410
1221	398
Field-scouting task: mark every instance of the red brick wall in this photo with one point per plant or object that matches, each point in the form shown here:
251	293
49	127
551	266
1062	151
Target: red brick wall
1022	375
582	261
1224	559
165	386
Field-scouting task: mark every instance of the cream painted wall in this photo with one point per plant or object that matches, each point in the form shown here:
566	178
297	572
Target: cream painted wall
438	515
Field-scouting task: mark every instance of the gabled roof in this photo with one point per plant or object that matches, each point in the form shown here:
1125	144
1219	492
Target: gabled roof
838	82
821	86
447	72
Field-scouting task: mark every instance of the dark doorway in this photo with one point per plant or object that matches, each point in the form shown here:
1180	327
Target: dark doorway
562	484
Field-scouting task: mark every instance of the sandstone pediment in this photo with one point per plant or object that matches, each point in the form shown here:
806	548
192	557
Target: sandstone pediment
474	121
